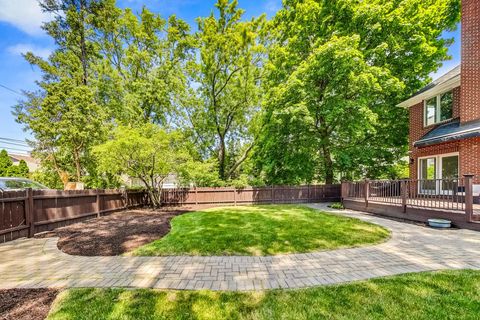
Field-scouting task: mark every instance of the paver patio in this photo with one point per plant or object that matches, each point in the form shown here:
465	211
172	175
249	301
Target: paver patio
32	263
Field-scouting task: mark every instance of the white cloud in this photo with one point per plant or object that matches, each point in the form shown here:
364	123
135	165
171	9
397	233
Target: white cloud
26	15
20	48
272	6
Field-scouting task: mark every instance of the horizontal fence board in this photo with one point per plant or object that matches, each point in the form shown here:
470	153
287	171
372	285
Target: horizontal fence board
12	210
2	232
228	195
41	223
55	208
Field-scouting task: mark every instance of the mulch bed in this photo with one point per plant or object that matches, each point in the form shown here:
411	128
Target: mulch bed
26	304
116	233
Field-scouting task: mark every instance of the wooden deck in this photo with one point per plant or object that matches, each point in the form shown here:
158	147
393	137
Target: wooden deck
395	209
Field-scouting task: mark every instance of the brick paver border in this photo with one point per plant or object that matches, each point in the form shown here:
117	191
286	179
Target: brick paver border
411	248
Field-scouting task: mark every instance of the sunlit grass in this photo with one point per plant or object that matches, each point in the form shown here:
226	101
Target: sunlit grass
436	295
261	230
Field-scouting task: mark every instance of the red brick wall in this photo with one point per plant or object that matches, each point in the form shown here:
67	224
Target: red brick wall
416	124
470	60
417	130
470	156
457	100
466	100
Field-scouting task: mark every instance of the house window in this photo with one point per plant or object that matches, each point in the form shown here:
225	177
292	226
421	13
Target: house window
438	174
439	108
428	175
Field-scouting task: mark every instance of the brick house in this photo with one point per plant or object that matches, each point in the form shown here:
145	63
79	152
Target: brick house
445	116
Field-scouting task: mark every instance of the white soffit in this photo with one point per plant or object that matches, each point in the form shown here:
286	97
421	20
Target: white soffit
445	83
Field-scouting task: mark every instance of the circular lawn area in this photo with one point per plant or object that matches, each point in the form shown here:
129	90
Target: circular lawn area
261	230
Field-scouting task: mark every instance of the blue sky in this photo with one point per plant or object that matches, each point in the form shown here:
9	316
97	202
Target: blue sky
20	32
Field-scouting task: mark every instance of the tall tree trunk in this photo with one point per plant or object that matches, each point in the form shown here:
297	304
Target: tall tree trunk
239	162
78	167
221	158
328	164
83	47
63	175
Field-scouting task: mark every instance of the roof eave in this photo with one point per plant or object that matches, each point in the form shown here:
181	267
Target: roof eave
450	138
449	84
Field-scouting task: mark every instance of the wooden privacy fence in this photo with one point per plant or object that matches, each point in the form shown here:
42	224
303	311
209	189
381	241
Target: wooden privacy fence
24	213
252	195
27	212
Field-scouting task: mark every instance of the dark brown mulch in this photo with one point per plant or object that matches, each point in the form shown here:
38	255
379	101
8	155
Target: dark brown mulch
114	234
26	304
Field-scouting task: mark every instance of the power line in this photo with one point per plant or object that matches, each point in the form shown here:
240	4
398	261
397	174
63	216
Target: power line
10	89
14	143
15	149
10	139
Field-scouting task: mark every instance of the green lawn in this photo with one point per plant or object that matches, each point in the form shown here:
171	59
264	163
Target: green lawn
436	295
261	230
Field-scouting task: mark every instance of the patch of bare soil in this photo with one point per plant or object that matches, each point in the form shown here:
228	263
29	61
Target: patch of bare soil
26	304
115	234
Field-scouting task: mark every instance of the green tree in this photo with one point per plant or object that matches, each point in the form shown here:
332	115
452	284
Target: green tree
146	152
336	71
20	170
64	115
201	173
48	177
66	122
5	163
8	169
142	76
225	75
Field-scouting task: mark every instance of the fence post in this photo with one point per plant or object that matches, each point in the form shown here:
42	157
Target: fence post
97	203
272	198
468	197
29	219
403	186
125	192
196	196
343	190
366	188
234	196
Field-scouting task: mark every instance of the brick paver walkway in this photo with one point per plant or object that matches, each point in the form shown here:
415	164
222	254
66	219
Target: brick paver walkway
38	263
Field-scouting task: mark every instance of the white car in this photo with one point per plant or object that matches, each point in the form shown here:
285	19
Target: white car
19	183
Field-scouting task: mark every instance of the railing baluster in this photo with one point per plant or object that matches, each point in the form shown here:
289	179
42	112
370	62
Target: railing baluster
443	194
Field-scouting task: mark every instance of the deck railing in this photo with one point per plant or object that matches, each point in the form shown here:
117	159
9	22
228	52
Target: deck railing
455	195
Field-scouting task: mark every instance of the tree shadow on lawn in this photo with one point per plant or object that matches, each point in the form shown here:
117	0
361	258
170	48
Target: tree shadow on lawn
431	295
262	230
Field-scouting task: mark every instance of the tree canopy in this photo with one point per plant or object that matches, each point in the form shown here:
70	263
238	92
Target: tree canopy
336	71
227	74
8	169
307	96
147	152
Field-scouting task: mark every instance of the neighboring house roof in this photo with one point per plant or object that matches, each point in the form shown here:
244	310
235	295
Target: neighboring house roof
447	82
32	163
170	182
451	131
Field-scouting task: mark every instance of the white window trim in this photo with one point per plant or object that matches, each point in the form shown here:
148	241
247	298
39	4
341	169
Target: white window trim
438	167
438	97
